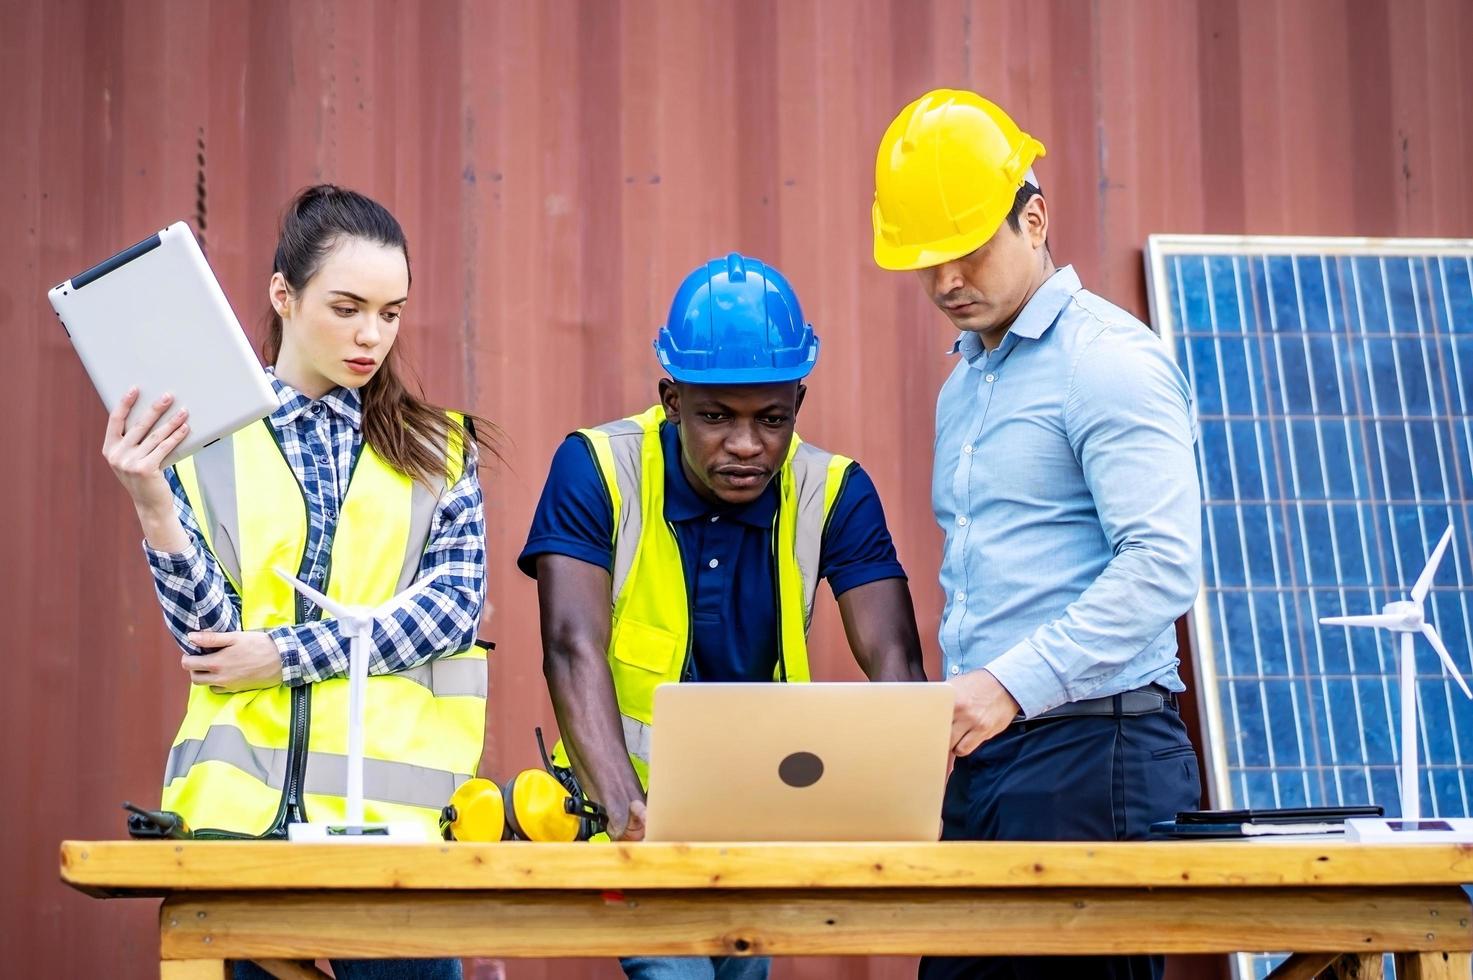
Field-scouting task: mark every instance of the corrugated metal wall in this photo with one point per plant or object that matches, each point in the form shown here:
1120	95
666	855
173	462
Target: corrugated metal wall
558	167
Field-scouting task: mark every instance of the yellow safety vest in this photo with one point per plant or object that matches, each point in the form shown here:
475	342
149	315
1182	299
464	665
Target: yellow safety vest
249	763
650	643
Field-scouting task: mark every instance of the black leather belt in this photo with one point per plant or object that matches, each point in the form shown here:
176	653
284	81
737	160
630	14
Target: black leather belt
1142	701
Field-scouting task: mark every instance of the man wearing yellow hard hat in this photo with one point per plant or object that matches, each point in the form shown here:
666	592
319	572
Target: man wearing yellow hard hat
1065	485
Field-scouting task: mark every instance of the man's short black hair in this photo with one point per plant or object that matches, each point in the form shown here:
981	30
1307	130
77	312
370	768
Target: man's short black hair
1020	200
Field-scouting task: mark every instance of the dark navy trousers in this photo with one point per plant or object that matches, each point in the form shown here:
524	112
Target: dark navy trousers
1071	779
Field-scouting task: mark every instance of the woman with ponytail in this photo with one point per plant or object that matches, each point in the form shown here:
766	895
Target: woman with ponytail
359	488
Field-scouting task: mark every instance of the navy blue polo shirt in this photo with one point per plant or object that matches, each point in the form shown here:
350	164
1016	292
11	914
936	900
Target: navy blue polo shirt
726	551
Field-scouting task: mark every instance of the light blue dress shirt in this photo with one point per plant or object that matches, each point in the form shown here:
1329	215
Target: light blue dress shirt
1066	487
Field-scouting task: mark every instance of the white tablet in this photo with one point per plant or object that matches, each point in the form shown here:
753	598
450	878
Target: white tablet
154	316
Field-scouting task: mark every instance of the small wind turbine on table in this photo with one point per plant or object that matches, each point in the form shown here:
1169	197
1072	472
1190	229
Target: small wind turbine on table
1407	618
357	624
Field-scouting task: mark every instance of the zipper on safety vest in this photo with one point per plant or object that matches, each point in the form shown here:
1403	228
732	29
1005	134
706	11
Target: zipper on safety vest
294	809
293	806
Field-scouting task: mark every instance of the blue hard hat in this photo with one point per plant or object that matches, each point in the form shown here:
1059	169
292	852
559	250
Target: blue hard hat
736	321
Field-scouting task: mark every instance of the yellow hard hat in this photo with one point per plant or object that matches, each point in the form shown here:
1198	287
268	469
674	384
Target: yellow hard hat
945	178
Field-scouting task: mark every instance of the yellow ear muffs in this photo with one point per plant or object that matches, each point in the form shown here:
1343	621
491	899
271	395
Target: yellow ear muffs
547	804
476	812
538	808
535	805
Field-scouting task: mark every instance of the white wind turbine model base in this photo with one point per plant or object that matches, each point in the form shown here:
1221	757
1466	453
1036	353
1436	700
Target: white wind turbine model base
357	622
1407	618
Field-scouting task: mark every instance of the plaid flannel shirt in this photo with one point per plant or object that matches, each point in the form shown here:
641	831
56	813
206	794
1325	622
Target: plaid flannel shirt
321	439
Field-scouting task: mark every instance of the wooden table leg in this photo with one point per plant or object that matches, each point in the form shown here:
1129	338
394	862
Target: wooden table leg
1434	966
1357	966
194	970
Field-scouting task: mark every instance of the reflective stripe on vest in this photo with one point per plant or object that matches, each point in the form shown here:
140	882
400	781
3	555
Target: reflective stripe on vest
327	773
231	764
650	636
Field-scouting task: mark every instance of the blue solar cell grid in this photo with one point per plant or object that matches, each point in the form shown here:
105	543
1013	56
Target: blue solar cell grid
1335	394
1334	386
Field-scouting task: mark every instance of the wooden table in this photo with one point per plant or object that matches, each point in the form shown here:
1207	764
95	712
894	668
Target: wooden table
1338	905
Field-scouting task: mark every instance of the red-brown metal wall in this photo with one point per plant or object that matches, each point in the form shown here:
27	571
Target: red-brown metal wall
558	166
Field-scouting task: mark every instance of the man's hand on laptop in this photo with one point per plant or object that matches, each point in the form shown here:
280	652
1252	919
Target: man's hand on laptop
627	823
983	709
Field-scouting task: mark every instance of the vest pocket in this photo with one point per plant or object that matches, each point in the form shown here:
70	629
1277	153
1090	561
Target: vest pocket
646	647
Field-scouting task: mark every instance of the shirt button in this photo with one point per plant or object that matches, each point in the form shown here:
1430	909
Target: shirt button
715	518
991	378
967	449
961	596
962	521
955	670
712	563
317	407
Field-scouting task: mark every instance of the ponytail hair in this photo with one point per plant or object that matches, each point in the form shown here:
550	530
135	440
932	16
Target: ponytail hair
408	432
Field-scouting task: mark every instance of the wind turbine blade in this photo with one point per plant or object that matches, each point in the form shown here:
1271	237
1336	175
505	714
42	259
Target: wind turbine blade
1379	619
1447	658
322	601
408	595
1424	581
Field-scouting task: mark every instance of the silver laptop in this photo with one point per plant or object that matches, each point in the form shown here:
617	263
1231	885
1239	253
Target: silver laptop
798	762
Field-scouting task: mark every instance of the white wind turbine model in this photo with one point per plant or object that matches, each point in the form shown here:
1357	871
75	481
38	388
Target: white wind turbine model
1408	619
357	623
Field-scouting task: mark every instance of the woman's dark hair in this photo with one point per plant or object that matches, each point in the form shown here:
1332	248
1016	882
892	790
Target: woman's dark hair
408	432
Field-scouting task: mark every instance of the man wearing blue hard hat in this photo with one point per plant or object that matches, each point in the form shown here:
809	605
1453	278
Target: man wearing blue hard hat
686	544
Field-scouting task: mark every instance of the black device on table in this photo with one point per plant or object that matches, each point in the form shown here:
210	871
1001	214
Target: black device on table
156	824
1239	823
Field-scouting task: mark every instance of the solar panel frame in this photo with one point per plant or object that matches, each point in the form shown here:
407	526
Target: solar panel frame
1367	448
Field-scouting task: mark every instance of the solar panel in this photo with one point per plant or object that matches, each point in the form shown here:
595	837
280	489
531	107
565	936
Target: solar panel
1334	385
